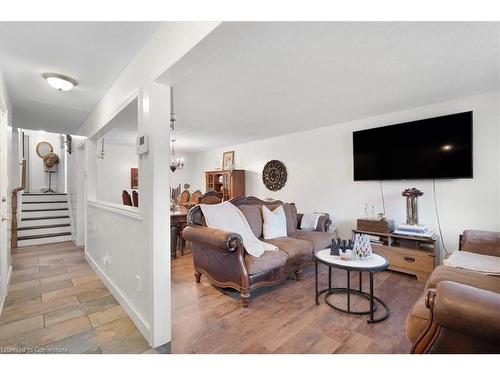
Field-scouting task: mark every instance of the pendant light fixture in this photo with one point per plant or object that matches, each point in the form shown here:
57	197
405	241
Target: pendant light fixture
175	162
100	155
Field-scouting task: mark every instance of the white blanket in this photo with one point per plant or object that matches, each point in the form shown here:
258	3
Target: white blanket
309	221
226	216
489	265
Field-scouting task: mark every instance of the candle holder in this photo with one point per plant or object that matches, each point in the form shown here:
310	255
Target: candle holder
175	194
174	204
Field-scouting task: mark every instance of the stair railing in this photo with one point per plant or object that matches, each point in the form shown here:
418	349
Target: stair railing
14	204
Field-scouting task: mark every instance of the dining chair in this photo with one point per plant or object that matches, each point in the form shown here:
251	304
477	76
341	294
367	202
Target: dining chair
184	197
127	201
135	198
194	197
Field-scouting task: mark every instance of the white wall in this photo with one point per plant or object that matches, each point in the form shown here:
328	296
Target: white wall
37	177
320	172
5	177
73	185
138	243
14	153
113	172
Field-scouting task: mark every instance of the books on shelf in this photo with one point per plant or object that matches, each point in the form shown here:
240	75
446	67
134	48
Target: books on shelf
412	228
418	231
414	231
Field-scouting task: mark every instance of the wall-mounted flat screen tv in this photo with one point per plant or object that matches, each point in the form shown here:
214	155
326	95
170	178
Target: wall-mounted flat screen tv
438	147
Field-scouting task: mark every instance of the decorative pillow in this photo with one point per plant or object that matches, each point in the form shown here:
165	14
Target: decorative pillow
274	223
291	224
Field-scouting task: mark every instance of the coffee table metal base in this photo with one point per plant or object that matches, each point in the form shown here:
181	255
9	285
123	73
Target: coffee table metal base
349	291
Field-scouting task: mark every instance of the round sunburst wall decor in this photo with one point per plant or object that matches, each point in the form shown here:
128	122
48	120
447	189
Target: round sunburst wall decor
274	175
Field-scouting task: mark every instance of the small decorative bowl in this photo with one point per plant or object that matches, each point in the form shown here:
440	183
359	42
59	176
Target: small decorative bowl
347	255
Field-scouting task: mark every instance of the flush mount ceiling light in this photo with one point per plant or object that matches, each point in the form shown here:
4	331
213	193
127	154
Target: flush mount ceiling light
59	81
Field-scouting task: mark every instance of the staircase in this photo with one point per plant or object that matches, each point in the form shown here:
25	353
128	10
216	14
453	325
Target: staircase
44	219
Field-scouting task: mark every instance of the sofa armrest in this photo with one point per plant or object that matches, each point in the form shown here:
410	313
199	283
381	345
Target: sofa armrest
480	242
213	238
324	222
467	310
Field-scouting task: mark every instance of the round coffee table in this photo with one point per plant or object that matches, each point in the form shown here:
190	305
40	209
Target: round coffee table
372	264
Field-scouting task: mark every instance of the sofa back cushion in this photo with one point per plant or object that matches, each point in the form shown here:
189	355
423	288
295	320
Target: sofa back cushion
292	224
253	214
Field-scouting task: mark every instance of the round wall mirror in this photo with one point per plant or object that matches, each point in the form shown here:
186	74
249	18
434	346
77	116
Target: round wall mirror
43	148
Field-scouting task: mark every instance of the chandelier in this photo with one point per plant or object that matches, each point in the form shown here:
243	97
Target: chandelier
175	162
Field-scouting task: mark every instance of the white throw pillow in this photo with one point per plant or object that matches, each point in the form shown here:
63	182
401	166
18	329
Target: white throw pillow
274	223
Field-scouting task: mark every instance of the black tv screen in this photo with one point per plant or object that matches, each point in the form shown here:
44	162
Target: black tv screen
439	147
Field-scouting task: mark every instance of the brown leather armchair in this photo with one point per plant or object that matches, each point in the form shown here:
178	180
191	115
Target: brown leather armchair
463	319
462	307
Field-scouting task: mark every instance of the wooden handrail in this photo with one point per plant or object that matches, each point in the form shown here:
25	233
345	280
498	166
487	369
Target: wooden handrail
13	228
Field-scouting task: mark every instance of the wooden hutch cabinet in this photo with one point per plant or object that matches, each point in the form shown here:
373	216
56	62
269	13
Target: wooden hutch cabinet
230	183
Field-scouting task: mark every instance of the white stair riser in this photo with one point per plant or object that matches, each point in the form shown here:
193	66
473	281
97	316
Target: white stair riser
43	198
40	241
33	232
32	223
44	206
44	213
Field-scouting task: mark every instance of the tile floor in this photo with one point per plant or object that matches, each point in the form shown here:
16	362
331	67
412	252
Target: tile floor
57	304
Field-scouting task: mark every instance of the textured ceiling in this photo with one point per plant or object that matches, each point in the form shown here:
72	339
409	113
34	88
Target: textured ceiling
93	53
274	78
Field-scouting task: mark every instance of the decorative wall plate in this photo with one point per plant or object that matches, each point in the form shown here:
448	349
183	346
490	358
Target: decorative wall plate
274	175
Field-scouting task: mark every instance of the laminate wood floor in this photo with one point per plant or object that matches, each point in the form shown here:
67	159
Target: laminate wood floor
57	304
285	319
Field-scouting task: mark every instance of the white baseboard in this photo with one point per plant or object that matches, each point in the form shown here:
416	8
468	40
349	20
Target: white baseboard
6	288
138	320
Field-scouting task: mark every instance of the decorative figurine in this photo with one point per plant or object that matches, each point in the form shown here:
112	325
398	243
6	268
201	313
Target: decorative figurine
342	248
334	250
362	247
411	205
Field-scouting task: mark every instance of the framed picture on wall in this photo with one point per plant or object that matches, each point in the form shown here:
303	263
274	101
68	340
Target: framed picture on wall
134	178
228	161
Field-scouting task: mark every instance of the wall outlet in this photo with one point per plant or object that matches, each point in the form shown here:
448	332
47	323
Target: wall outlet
138	285
106	260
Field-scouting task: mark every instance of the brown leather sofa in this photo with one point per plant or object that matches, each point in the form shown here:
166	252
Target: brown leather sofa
460	309
221	255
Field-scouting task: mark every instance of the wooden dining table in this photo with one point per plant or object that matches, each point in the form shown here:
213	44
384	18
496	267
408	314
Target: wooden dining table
178	220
